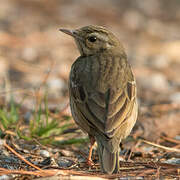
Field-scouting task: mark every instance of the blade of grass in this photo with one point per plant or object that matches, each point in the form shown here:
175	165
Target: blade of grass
71	141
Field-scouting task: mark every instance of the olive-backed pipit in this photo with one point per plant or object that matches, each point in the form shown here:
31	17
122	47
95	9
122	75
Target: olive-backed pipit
102	92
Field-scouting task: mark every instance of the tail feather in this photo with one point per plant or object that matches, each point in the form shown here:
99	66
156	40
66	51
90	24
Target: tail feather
109	161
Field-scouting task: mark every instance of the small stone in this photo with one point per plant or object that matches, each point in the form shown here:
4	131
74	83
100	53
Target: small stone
133	19
148	149
160	61
56	85
44	153
5	177
3	66
64	162
172	50
27	117
156	82
175	97
81	160
2	142
46	162
130	177
173	161
121	158
29	54
66	153
177	137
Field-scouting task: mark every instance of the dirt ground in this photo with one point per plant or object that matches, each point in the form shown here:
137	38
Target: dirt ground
35	59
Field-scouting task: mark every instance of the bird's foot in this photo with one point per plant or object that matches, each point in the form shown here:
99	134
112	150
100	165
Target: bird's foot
90	163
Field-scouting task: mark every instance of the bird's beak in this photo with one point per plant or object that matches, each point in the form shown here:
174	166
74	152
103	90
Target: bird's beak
67	31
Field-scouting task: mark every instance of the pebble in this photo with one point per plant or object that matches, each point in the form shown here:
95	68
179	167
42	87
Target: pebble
148	149
27	117
4	67
56	85
64	162
159	61
5	177
121	158
44	153
175	97
2	142
130	178
66	153
133	19
177	137
29	54
156	82
172	50
173	161
46	162
8	161
81	160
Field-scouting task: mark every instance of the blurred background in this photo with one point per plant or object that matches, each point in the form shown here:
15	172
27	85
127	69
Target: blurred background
35	55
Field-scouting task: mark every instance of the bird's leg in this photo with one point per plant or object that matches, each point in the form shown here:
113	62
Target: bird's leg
89	160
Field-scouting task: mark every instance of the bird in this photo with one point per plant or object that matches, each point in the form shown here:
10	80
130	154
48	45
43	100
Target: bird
103	93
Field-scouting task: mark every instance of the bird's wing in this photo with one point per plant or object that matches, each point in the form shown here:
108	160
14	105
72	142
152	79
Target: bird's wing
121	109
104	110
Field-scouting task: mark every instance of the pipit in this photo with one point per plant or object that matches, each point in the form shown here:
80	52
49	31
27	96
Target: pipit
102	91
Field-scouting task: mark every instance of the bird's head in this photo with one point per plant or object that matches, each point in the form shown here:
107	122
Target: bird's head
93	39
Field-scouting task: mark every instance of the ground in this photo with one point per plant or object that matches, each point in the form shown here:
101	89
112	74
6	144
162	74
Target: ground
35	60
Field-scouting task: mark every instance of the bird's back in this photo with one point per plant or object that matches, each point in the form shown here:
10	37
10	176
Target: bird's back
100	84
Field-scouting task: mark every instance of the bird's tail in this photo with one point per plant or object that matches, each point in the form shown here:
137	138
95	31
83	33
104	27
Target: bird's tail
109	161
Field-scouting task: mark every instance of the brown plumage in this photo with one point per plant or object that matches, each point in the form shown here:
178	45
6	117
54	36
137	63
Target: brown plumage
102	92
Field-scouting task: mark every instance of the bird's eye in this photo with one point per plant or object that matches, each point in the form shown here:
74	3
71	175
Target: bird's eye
92	39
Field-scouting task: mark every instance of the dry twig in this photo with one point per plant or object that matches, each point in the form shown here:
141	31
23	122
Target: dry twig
162	147
21	157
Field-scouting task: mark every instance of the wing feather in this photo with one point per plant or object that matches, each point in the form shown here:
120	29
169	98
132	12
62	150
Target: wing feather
104	111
